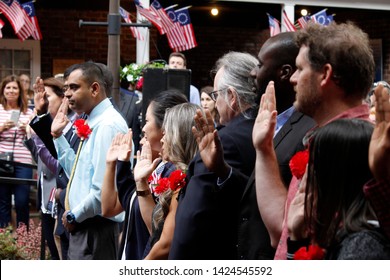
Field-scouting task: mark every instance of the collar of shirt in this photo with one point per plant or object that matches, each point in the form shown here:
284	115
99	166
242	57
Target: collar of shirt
97	111
282	118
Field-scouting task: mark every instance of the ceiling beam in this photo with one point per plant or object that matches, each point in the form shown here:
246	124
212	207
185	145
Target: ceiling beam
352	4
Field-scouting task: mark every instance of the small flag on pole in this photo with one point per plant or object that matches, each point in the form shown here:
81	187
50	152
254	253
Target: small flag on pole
134	30
287	23
274	25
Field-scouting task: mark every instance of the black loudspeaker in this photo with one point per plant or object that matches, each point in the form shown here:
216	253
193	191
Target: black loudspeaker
157	80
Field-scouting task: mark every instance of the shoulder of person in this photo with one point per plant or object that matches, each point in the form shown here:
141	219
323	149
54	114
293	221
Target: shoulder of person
365	244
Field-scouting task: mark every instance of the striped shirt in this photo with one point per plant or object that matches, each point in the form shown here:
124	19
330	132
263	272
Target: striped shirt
7	137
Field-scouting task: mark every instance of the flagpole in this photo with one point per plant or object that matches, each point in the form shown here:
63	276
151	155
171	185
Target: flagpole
143	47
170	7
113	54
178	10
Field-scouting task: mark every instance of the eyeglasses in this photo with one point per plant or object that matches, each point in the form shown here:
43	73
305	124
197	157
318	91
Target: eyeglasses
383	83
214	94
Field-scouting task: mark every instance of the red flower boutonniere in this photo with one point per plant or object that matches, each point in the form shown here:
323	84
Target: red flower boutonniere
298	163
82	128
313	252
140	84
175	181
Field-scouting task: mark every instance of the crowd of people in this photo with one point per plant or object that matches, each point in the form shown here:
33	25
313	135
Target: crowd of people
279	159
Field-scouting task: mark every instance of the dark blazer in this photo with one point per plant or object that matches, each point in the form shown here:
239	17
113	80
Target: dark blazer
206	217
130	108
253	238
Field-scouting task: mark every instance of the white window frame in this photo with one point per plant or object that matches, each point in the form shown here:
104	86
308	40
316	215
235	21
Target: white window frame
33	46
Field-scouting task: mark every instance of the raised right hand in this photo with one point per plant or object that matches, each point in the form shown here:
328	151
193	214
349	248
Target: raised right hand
61	119
264	127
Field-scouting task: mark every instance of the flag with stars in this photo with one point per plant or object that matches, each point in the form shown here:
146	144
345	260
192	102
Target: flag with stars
30	11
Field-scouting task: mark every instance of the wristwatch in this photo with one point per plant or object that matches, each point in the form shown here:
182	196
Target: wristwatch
70	218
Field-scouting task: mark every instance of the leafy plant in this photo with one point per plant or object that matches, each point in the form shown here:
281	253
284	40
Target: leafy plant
24	245
133	72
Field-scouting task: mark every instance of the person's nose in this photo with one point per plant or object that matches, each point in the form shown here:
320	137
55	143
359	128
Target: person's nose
293	78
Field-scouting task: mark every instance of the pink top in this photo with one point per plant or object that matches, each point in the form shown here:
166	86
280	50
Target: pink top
21	153
359	112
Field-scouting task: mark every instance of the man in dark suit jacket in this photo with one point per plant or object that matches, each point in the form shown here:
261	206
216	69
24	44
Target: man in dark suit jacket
206	226
129	106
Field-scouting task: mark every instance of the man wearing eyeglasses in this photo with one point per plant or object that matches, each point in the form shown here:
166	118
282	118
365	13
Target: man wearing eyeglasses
206	217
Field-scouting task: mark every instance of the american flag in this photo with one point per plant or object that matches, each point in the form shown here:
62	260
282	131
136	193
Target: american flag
1	26
302	21
287	23
166	22
28	28
148	14
176	36
134	30
30	11
13	13
183	17
274	25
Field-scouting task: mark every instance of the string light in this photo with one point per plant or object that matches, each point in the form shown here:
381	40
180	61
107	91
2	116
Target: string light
214	11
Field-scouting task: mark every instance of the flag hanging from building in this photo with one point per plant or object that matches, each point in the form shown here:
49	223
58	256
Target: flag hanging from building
27	29
176	37
274	26
149	15
287	23
30	11
166	22
1	26
183	17
13	13
134	30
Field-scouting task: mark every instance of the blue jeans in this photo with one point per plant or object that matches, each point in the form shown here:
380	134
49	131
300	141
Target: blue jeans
21	194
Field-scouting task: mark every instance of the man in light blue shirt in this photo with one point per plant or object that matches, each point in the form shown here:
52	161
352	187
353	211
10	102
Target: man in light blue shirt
91	235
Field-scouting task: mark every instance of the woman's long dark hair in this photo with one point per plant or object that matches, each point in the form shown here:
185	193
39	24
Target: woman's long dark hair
338	169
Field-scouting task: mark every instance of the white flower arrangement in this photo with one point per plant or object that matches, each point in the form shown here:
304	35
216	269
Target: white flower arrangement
132	72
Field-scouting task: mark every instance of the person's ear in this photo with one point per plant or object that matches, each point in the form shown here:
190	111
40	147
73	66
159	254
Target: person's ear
286	72
95	89
232	97
327	74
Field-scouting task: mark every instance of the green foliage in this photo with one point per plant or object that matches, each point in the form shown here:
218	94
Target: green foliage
21	245
133	72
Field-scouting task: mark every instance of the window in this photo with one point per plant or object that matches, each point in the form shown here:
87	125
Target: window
18	57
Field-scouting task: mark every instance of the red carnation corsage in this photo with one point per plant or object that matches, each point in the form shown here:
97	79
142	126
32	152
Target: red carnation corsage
175	181
313	252
82	128
298	163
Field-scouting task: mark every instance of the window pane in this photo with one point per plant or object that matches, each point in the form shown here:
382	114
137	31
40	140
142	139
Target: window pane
22	60
4	73
5	59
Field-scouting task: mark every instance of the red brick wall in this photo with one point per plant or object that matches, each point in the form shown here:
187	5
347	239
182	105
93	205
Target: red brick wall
64	39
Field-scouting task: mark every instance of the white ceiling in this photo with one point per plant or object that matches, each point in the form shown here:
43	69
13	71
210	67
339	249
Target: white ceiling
354	4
